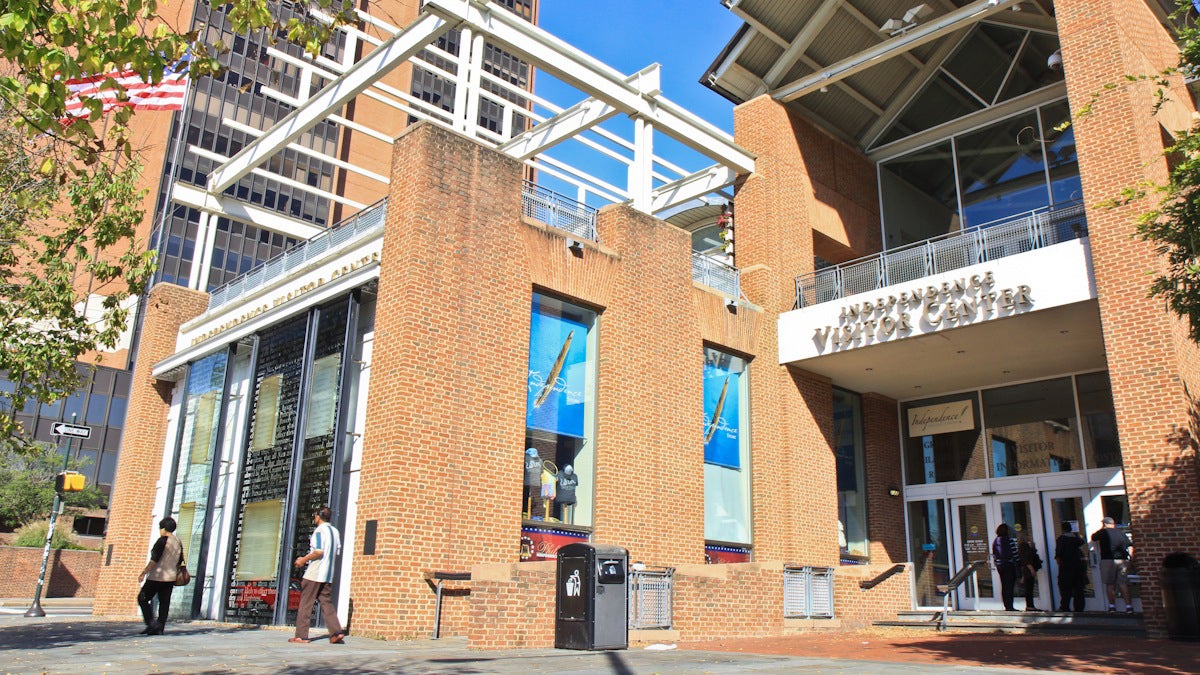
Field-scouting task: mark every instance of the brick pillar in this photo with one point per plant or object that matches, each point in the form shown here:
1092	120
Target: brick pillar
1120	144
885	513
808	192
649	445
442	453
131	517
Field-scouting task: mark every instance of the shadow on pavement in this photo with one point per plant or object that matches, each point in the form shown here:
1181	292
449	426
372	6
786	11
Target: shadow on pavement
1082	654
58	634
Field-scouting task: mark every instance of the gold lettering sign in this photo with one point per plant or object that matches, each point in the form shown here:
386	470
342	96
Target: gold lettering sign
941	418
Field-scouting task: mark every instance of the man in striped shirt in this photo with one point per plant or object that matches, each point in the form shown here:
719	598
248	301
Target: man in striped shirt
317	584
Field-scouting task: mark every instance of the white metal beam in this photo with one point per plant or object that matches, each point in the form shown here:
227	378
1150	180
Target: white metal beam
305	150
574	120
583	72
361	75
283	180
803	41
234	209
918	36
757	25
690	187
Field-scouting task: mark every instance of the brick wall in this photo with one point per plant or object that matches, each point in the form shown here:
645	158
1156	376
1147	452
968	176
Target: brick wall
69	573
132	517
883	472
1119	144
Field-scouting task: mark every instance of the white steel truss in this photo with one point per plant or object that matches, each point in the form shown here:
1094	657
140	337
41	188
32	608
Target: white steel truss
653	185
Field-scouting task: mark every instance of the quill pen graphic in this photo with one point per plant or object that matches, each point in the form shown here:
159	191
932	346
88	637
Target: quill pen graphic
716	416
554	372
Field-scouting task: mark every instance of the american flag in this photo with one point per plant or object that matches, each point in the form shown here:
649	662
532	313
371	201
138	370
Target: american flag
168	94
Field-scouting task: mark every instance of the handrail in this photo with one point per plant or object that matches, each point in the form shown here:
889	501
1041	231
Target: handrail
883	576
956	581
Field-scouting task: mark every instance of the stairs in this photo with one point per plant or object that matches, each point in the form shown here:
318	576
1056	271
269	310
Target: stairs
1044	623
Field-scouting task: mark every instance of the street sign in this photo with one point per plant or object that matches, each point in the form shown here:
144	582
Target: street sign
72	430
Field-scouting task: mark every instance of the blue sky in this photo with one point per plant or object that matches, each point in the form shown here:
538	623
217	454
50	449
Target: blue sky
682	35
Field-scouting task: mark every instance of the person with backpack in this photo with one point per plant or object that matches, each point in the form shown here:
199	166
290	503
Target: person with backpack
1115	551
1006	557
1031	562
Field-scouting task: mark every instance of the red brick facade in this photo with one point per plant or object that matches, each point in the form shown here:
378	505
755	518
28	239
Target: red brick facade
1149	361
132	517
69	573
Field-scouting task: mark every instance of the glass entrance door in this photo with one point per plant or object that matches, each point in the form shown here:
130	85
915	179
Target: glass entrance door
975	521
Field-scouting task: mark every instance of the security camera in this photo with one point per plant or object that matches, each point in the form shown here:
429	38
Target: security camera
1054	61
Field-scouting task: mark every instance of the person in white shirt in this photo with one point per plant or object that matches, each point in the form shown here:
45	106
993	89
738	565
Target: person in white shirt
317	584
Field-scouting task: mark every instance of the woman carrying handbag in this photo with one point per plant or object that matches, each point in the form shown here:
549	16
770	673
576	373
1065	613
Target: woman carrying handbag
160	577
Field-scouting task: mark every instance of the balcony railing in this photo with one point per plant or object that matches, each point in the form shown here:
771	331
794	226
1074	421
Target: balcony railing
716	274
369	219
559	211
990	241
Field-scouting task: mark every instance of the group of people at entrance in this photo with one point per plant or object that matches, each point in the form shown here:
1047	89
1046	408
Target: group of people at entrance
166	570
1015	557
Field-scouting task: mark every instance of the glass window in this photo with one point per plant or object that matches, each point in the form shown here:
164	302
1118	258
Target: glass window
852	495
1002	170
919	196
726	448
1061	156
1032	428
1100	440
942	439
560	412
929	549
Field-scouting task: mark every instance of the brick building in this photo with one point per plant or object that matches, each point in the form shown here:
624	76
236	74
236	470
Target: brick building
929	329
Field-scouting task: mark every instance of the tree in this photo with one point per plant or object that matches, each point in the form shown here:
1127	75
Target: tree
27	485
1173	225
68	190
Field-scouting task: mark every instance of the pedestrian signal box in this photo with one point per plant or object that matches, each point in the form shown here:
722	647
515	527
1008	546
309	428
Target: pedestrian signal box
69	481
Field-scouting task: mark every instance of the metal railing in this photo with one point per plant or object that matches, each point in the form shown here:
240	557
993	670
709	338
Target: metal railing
651	597
990	241
559	211
948	588
367	220
868	584
716	274
807	592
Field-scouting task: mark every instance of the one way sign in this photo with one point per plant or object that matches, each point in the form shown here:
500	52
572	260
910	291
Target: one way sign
72	430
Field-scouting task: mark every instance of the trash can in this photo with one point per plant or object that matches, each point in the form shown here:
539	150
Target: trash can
591	599
1180	577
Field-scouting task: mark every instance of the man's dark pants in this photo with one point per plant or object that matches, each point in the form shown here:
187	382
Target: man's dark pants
315	591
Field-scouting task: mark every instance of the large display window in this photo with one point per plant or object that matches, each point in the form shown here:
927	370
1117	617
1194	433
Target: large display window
560	405
1032	428
930	547
726	448
853	543
197	450
1099	420
942	439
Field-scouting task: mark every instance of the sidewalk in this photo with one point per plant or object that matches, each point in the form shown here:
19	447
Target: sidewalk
1062	653
75	645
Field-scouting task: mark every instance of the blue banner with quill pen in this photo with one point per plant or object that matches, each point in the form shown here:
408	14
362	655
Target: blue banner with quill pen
722	395
557	374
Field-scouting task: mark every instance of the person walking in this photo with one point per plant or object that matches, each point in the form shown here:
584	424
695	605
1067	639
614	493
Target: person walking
1031	562
166	557
1115	552
1072	568
1006	557
317	584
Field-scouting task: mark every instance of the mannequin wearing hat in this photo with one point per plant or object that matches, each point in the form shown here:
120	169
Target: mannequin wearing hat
533	478
568	480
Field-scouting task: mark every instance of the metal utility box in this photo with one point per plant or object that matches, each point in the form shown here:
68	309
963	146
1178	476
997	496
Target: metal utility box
591	598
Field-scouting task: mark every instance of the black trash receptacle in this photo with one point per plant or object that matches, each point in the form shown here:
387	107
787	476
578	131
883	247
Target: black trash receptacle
591	598
1180	579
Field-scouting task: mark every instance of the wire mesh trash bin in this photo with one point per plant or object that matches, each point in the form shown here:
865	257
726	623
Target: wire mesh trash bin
591	607
651	597
807	592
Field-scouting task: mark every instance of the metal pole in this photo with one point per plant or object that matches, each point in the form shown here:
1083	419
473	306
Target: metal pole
35	610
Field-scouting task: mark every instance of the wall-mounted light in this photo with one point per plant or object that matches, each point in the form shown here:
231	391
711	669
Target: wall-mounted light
575	248
893	492
731	305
